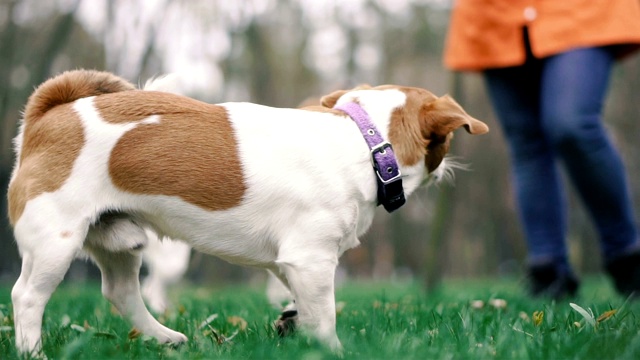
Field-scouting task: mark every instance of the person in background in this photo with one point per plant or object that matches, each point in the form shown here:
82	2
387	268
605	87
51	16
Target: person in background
546	65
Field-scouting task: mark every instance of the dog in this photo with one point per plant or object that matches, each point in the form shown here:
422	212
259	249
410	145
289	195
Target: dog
289	190
167	260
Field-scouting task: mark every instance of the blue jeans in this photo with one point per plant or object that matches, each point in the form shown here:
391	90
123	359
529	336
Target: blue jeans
550	112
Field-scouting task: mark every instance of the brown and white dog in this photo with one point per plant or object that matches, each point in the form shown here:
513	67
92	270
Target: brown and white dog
289	190
167	260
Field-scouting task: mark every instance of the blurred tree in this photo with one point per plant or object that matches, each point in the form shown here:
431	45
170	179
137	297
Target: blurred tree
17	63
279	53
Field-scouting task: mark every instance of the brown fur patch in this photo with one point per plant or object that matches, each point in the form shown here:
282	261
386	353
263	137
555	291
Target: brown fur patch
192	153
406	127
49	150
423	128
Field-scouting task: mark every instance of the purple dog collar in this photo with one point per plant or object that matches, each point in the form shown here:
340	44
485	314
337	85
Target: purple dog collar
390	191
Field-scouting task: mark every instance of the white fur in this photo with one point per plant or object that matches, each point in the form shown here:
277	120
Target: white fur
170	83
310	194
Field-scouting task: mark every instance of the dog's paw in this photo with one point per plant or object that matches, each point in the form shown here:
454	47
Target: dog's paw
286	324
169	336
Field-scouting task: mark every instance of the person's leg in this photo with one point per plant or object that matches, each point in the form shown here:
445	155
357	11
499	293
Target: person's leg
574	86
515	94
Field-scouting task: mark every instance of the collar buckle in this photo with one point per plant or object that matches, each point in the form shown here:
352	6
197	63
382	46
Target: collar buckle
376	152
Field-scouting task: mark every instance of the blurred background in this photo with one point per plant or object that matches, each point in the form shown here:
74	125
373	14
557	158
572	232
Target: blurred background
278	53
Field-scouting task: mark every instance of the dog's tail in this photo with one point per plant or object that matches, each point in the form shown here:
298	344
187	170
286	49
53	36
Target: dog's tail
71	86
170	83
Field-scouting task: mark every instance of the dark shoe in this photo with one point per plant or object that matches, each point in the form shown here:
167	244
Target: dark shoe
625	272
547	281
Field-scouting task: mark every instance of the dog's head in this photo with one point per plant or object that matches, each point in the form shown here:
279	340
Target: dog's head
421	124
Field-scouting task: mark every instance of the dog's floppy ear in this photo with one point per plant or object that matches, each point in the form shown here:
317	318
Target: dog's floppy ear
443	116
331	99
363	87
448	116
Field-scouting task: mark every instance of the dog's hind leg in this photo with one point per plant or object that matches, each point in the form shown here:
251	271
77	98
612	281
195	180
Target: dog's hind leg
121	286
311	278
47	249
167	261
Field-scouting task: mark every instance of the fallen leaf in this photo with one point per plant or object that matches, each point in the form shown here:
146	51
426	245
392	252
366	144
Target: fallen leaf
208	321
66	320
77	328
587	315
537	317
477	304
228	339
238	322
498	303
340	306
606	315
134	333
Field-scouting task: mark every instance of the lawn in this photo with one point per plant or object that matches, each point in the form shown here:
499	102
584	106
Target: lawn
473	319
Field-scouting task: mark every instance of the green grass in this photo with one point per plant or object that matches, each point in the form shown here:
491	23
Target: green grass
377	321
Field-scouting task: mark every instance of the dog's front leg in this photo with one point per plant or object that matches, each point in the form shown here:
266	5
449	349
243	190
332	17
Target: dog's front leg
311	278
121	286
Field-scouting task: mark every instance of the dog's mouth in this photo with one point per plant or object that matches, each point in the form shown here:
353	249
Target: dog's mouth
444	171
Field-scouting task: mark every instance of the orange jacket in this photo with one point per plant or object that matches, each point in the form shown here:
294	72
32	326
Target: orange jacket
488	33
